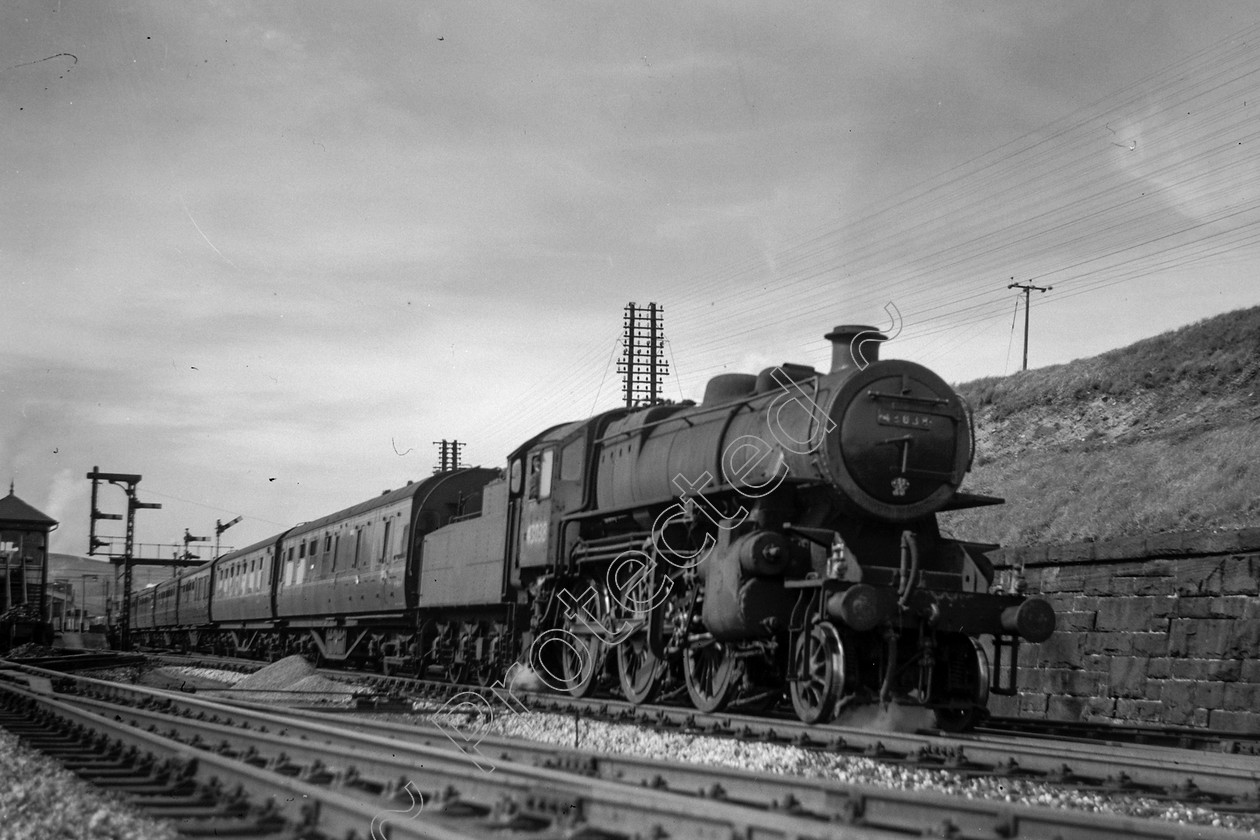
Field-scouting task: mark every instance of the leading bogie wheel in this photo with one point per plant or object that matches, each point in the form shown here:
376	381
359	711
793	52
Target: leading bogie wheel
818	672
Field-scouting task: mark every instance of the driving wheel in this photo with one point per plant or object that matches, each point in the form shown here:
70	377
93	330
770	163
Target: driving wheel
712	674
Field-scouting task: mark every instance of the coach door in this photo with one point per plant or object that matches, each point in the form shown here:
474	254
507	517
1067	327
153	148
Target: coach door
535	507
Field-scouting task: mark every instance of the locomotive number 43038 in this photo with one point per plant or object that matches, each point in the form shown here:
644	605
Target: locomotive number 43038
536	533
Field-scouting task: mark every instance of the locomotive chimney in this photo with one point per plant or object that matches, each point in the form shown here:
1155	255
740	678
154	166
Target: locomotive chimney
844	352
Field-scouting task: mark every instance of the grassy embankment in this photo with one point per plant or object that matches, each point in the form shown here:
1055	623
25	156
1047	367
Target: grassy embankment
1162	435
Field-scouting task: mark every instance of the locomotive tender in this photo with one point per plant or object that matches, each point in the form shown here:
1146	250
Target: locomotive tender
779	537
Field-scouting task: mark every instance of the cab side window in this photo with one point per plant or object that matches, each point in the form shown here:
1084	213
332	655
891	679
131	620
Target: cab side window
544	474
541	466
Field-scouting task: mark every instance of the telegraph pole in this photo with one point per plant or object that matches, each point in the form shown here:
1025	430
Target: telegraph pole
1027	289
448	455
643	364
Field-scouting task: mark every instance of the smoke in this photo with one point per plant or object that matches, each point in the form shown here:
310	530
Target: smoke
524	679
63	494
893	718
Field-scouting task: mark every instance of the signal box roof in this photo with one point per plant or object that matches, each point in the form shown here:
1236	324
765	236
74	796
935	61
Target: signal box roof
15	513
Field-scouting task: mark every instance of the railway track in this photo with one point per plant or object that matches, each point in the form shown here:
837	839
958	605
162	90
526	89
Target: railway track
1182	738
83	661
330	752
1089	761
313	779
1228	782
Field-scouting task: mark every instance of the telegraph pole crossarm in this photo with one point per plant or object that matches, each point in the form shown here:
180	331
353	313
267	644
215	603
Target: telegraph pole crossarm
643	366
448	455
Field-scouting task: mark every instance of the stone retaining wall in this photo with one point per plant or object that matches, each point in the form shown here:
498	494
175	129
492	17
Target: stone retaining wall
1161	629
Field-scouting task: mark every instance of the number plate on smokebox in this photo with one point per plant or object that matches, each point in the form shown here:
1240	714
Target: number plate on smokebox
905	419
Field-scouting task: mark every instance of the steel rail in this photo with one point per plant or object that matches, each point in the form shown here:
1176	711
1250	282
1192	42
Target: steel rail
1182	737
1153	770
1159	771
911	812
904	812
302	804
455	792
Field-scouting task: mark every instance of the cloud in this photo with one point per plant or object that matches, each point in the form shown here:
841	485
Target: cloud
67	496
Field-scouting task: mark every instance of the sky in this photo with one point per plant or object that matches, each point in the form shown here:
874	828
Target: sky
265	254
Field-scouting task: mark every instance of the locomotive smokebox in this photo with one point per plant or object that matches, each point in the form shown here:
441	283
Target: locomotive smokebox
854	346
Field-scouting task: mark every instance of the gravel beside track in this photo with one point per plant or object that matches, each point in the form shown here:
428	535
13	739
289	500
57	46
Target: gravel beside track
747	754
290	680
40	800
596	736
325	782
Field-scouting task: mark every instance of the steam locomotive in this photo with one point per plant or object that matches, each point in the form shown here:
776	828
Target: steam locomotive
779	538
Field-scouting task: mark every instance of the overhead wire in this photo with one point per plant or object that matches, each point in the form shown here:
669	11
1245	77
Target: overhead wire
1157	176
611	355
893	234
